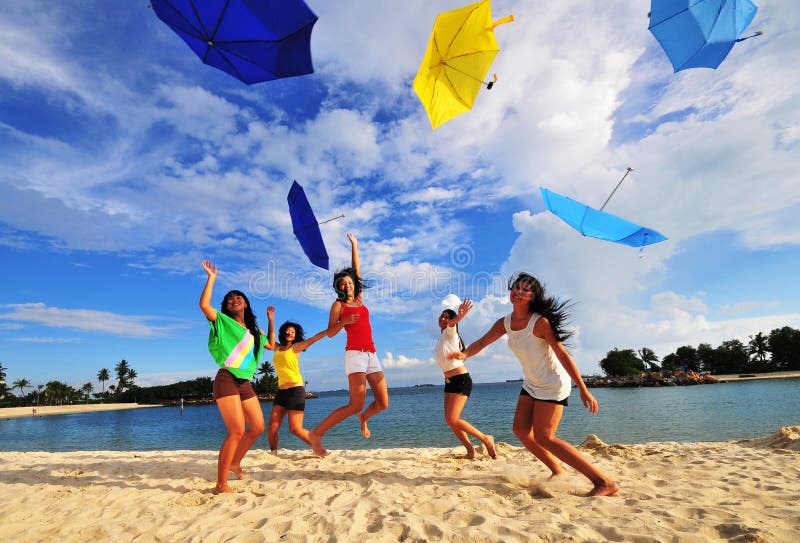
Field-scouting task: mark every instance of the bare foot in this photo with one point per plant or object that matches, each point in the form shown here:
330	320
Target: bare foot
364	430
560	476
470	454
224	489
489	444
316	444
604	489
237	470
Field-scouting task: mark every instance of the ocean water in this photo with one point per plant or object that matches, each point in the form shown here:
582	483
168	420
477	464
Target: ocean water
415	418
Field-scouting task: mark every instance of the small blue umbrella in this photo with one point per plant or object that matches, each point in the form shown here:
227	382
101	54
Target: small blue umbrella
306	227
699	33
597	223
253	40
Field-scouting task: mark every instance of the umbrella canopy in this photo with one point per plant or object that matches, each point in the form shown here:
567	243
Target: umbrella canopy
699	33
598	224
253	40
461	49
306	227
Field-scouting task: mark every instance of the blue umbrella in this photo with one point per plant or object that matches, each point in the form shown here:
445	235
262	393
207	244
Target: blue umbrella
253	40
699	33
597	223
306	227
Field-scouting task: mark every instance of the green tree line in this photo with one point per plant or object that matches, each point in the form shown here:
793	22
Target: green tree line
123	388
778	351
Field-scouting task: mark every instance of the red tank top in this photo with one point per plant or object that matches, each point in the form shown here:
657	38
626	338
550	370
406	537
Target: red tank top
359	334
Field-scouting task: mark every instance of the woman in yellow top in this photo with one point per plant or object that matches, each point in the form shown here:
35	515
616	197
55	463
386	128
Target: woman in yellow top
291	396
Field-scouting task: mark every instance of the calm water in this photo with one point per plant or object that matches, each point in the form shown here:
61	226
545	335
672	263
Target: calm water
415	419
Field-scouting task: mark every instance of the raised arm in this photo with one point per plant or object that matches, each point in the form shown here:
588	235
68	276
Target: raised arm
495	332
355	263
270	328
335	320
306	343
543	330
463	309
205	297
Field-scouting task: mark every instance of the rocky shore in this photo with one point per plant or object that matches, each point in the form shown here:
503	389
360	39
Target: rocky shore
655	379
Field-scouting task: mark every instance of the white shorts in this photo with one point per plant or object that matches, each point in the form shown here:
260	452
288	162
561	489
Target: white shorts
361	362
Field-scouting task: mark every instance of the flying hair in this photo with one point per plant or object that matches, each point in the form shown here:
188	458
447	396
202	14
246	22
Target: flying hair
556	311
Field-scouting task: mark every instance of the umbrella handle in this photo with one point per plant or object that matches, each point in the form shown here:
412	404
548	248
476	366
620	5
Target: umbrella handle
504	20
758	33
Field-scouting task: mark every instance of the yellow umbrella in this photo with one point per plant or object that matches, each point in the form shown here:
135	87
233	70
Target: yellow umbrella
460	51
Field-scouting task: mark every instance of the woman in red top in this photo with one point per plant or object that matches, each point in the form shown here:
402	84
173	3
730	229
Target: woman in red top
360	361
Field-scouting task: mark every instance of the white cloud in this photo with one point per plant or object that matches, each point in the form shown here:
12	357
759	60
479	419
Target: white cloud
87	320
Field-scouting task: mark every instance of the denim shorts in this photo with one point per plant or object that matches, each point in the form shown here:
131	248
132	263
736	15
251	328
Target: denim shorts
225	384
291	399
458	384
361	362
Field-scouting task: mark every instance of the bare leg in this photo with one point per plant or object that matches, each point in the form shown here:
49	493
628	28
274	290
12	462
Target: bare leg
275	420
546	417
380	392
254	418
296	425
523	429
358	393
230	407
453	406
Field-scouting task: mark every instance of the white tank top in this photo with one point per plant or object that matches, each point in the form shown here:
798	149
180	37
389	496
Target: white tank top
448	343
545	377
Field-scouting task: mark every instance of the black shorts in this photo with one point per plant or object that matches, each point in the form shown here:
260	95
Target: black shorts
291	399
225	384
524	392
458	384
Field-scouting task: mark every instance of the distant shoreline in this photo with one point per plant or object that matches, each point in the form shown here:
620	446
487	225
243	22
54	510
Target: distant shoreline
45	410
755	376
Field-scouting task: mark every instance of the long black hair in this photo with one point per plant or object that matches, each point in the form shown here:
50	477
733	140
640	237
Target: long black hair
298	332
555	310
358	284
452	314
249	319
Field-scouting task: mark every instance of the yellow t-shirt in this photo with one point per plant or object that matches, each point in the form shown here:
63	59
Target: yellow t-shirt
287	366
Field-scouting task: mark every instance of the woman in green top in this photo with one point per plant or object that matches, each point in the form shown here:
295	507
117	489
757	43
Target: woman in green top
237	344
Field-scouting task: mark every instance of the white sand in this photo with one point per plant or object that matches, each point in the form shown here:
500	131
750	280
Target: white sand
699	492
44	410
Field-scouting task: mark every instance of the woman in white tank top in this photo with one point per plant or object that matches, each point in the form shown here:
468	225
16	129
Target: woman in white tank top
535	334
457	382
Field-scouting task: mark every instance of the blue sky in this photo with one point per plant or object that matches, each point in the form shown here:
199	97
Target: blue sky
124	162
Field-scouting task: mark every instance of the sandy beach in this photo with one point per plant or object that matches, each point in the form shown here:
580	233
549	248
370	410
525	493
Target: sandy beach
44	410
725	491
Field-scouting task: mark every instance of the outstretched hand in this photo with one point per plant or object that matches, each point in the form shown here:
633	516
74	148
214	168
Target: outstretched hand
464	308
589	402
352	238
271	312
211	268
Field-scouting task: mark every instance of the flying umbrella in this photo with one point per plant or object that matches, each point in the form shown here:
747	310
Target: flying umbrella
699	33
253	40
461	49
599	224
306	227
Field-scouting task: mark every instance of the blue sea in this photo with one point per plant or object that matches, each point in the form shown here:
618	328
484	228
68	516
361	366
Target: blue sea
718	412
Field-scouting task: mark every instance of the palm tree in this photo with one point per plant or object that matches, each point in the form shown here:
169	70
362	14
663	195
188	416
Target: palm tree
21	384
103	376
649	358
267	373
87	389
131	376
2	381
758	347
122	369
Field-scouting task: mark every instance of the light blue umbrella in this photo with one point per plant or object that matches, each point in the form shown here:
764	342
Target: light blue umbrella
597	223
699	33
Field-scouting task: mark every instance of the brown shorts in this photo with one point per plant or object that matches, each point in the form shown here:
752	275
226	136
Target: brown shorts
225	384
